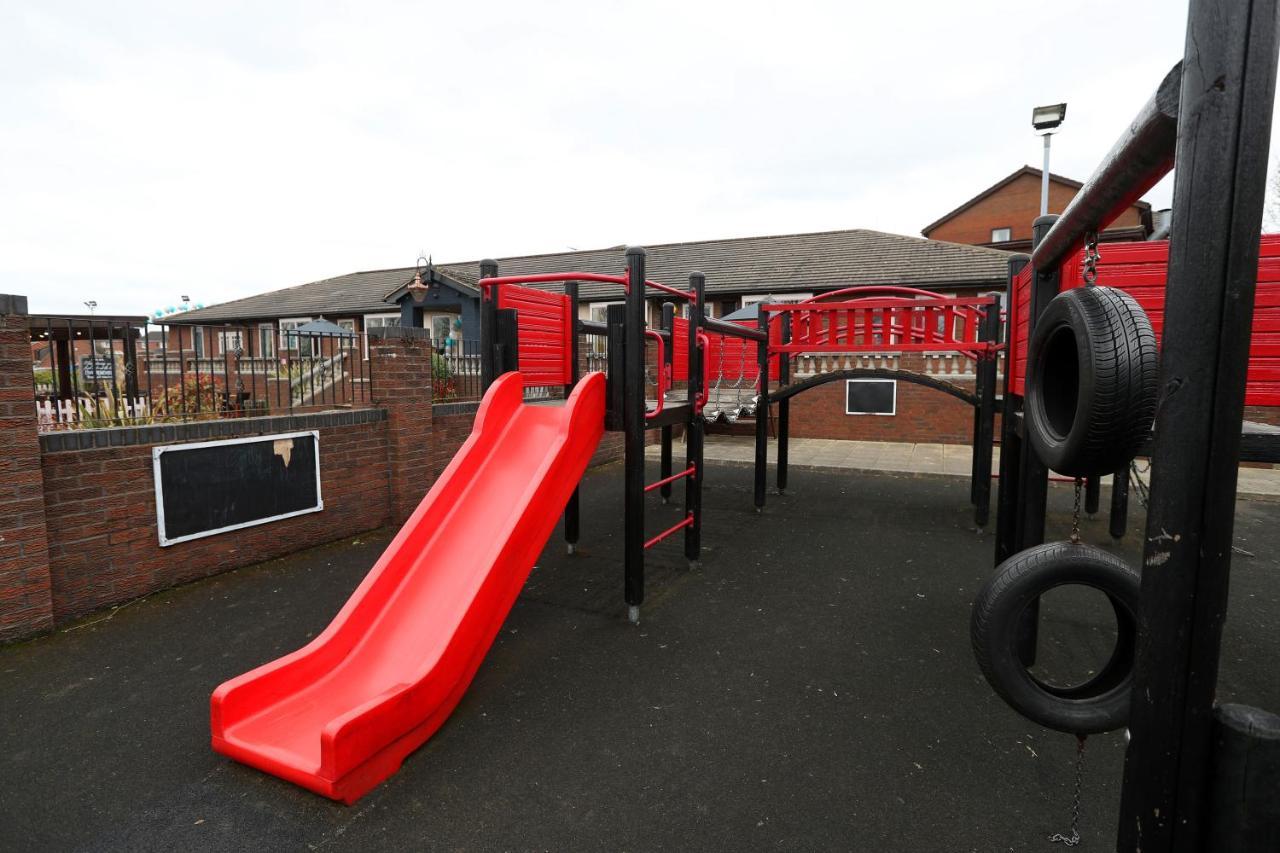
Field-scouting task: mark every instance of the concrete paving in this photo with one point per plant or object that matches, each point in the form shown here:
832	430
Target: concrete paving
952	460
810	687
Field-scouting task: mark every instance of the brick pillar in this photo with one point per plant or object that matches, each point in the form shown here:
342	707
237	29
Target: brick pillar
400	372
26	600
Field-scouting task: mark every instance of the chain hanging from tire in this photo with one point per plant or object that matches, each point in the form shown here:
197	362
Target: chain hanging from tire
1091	258
1073	838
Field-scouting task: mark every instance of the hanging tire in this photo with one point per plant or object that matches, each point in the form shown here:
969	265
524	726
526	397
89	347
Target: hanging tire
1092	381
1102	703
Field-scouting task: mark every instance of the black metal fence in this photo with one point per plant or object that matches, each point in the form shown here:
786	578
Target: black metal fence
103	371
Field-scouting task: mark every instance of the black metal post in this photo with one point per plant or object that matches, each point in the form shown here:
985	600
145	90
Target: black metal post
784	405
633	410
984	440
695	428
1119	503
1092	494
1007	500
762	413
488	326
669	352
572	509
1228	88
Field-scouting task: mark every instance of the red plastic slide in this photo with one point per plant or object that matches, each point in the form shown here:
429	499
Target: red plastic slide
340	714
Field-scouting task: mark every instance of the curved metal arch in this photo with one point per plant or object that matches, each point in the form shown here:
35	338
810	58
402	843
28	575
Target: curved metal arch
874	373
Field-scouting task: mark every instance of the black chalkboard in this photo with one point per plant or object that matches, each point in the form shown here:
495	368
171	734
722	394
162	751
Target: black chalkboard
210	487
871	397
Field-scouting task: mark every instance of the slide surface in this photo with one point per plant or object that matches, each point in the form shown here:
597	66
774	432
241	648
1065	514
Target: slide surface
340	714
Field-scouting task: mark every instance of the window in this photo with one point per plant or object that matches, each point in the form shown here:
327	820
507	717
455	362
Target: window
441	326
1001	235
289	340
775	298
266	340
377	321
230	341
599	314
197	341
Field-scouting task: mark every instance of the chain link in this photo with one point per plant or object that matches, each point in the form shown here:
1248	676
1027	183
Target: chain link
1075	513
1073	838
1091	258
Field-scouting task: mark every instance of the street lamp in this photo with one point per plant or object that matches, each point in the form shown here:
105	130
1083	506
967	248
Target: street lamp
1046	120
91	304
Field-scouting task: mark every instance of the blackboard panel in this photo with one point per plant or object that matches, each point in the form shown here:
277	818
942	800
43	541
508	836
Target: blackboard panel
871	397
214	486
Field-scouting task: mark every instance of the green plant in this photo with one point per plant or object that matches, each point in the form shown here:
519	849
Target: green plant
443	386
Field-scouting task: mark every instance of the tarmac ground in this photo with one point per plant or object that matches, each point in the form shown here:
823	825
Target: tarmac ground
809	687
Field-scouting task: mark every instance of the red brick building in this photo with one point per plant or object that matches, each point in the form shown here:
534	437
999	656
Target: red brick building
1001	215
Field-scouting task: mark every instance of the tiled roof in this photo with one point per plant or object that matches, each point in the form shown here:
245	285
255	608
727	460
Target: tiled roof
353	293
791	262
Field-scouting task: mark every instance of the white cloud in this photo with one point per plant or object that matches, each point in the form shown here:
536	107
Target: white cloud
153	149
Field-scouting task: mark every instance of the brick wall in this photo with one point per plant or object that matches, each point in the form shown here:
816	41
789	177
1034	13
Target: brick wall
25	606
1014	206
923	415
105	548
94	488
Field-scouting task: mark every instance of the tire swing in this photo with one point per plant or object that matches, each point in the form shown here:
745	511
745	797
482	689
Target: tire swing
1090	399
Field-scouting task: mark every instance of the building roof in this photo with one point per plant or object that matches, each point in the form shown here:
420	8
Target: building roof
353	293
1004	182
778	264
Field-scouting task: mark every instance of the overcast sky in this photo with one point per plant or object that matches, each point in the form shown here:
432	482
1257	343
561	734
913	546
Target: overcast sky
150	150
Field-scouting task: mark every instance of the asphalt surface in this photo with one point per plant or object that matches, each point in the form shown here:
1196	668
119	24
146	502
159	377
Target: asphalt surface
810	687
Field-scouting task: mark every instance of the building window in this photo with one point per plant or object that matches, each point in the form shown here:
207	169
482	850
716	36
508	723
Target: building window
1001	235
290	340
377	321
197	341
600	314
266	340
230	341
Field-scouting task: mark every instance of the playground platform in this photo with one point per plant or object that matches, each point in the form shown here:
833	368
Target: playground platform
951	460
810	687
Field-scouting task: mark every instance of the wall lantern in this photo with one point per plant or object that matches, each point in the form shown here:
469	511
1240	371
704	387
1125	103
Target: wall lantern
417	288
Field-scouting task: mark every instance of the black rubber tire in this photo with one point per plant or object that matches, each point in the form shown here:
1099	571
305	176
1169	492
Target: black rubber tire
1100	705
1092	381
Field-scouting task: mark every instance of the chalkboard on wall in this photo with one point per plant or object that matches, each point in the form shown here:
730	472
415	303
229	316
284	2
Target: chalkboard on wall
871	397
210	487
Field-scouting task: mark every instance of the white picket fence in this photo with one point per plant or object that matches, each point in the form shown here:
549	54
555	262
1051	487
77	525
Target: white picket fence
53	414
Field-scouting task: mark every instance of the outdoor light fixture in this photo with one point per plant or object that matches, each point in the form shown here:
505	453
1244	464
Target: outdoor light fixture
417	289
1046	121
1048	117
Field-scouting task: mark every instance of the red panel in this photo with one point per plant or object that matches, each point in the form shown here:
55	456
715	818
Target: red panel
1140	270
680	358
544	326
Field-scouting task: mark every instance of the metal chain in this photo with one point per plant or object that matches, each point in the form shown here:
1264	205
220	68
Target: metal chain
1141	488
1091	258
1075	514
1074	838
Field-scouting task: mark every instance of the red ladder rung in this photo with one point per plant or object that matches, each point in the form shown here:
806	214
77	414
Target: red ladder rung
688	520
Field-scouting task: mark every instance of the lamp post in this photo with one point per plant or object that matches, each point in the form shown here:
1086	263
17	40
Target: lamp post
1046	120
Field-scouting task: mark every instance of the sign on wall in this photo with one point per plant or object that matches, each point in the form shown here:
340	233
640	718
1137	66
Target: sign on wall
210	487
871	397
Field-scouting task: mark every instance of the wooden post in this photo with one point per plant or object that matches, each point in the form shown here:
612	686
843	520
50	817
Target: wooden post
784	405
1007	499
984	437
1244	791
1228	89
